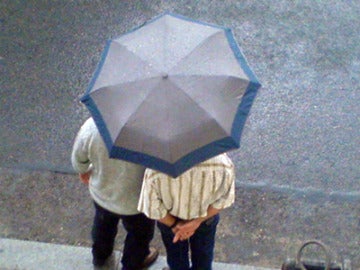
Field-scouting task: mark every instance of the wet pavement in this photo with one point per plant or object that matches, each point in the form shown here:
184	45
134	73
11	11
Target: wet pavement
298	168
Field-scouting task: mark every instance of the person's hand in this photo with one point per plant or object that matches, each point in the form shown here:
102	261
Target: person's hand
85	177
185	229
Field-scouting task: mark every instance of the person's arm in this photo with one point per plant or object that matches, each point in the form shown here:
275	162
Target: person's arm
79	155
169	221
225	199
187	229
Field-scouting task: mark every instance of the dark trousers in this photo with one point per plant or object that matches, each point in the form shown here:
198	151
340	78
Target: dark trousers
201	244
140	231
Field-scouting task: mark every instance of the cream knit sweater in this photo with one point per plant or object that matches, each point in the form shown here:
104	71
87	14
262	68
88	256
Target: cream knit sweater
114	184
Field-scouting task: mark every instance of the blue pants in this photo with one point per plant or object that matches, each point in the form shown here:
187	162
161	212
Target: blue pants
140	231
201	244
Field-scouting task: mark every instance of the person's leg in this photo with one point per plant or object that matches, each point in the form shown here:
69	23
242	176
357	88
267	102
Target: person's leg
202	244
140	232
177	254
103	233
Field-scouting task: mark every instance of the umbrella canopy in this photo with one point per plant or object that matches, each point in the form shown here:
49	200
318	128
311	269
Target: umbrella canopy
171	93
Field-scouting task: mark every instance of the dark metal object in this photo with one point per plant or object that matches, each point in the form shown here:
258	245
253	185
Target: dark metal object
300	264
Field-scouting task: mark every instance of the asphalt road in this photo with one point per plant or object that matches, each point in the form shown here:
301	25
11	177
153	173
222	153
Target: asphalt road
298	168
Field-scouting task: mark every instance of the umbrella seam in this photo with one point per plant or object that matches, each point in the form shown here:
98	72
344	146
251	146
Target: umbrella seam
116	43
200	106
197	46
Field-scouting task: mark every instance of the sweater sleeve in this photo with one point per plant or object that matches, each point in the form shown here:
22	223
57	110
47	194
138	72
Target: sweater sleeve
80	156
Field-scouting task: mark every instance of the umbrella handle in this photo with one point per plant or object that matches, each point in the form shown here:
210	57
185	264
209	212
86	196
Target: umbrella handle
313	242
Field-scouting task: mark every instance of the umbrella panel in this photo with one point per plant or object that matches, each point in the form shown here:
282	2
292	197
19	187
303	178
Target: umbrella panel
212	57
121	66
220	97
166	41
167	123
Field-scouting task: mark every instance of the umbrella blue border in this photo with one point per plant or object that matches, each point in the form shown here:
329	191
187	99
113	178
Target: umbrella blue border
199	155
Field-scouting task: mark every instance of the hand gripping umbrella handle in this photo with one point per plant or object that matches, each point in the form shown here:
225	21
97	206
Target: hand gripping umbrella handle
313	242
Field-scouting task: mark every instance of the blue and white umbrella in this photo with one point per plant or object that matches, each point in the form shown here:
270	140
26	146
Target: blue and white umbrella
171	94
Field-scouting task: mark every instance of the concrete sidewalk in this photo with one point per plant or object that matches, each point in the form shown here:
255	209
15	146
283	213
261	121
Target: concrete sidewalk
29	255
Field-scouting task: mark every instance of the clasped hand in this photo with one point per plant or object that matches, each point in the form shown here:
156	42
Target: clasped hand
185	229
85	177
